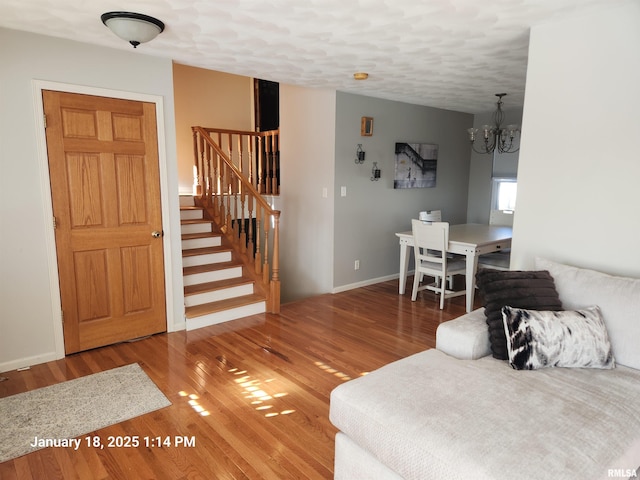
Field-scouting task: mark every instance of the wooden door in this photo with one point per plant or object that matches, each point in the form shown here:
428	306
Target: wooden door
105	187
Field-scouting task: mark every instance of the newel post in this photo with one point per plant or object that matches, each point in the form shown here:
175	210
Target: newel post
274	285
197	185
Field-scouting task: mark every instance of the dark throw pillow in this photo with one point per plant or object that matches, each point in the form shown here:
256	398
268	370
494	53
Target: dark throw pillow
533	290
540	339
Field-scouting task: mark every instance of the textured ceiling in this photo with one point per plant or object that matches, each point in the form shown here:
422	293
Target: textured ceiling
452	54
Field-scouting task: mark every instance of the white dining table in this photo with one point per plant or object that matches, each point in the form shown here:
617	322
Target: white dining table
469	239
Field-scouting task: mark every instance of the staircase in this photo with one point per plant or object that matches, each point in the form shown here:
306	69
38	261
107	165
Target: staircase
217	287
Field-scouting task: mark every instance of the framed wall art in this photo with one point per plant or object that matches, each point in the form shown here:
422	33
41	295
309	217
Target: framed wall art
415	165
366	126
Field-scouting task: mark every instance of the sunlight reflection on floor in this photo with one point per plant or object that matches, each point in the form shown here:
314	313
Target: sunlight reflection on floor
327	368
193	401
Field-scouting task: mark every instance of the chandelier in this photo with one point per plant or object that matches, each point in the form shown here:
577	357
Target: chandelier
495	137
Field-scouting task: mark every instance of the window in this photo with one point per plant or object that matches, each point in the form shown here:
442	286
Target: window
503	196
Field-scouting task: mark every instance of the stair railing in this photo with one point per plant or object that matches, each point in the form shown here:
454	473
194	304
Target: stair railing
239	209
256	154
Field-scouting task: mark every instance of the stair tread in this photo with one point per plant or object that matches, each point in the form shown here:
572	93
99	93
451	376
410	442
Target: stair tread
205	250
190	207
213	307
211	267
217	285
193	236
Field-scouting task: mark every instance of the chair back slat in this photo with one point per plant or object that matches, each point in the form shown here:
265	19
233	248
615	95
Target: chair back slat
501	217
431	240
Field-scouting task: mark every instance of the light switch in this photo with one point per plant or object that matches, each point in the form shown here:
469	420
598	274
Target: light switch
343	191
325	193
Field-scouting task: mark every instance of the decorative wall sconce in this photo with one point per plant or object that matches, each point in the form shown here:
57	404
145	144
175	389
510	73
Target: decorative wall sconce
375	172
359	154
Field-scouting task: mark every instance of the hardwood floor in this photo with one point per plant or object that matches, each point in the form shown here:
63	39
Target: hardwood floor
253	393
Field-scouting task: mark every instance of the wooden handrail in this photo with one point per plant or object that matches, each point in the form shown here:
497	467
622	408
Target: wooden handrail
261	148
237	206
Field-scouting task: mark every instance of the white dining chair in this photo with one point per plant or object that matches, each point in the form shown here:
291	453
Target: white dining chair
498	260
435	216
428	238
501	217
431	216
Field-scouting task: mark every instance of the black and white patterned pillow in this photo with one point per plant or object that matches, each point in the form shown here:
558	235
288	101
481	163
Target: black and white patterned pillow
540	339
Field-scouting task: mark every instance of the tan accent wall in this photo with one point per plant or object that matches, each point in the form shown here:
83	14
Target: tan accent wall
209	99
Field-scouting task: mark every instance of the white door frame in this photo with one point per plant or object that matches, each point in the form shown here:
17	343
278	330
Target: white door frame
45	186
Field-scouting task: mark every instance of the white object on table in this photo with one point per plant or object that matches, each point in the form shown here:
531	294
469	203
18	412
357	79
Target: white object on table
470	239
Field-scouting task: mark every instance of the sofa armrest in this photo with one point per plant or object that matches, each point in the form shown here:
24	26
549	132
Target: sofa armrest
466	337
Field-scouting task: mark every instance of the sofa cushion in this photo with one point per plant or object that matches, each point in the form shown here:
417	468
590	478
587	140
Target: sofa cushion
617	297
533	290
432	416
572	338
465	337
352	462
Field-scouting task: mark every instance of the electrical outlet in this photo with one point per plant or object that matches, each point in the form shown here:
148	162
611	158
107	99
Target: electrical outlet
356	265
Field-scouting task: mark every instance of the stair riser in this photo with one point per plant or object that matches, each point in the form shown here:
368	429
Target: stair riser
222	294
225	316
196	228
207	259
201	243
186	201
205	277
191	214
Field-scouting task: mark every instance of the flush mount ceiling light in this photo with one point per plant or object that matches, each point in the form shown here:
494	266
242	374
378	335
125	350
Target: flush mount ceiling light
360	75
496	137
135	28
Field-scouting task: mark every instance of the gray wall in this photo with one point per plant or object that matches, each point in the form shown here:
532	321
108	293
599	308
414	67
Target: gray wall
366	220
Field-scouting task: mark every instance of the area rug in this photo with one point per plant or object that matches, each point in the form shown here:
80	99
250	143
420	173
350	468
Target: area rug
59	413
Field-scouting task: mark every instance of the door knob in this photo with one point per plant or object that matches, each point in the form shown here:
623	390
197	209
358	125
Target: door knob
157	234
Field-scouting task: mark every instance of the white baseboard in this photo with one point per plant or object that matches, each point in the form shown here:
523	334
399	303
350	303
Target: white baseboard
177	326
371	281
364	283
28	361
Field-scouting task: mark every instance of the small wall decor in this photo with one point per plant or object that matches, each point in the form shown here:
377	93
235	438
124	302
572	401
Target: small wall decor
366	126
359	154
375	172
416	165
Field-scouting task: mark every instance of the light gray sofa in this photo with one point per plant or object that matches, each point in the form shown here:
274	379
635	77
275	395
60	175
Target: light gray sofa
455	412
